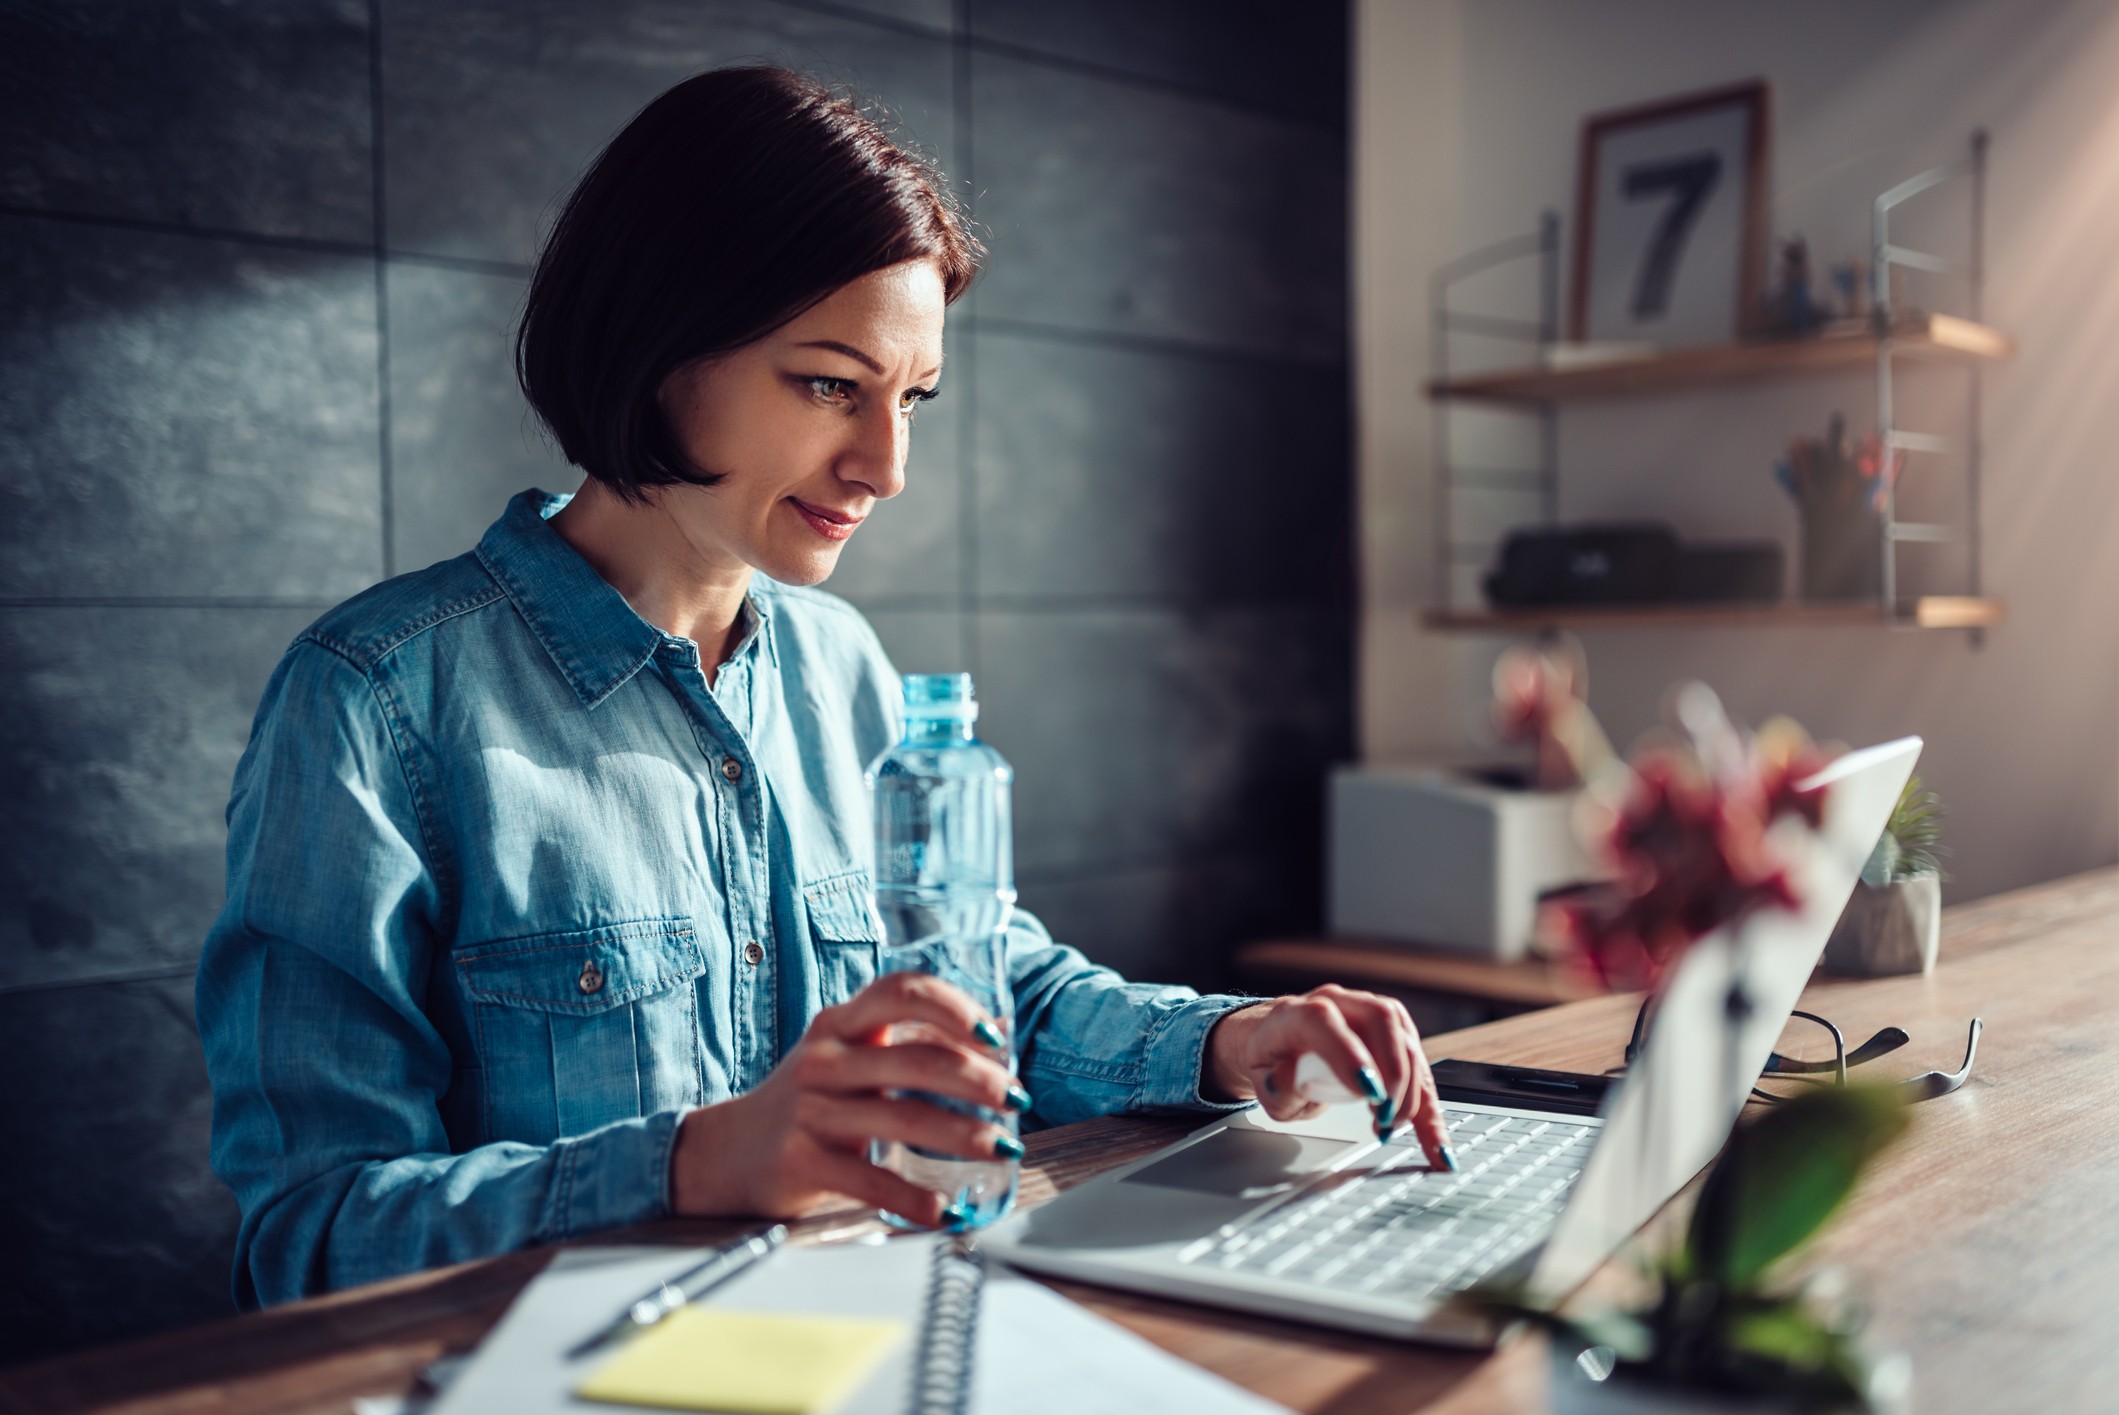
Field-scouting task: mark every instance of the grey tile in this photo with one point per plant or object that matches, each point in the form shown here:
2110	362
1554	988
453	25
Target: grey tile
112	1222
184	416
1126	210
1261	53
928	14
1116	471
1179	922
924	640
912	545
1139	735
116	755
235	117
462	438
492	108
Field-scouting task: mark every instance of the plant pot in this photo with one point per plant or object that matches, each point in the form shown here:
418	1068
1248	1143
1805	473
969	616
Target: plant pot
1573	1392
1888	929
1451	857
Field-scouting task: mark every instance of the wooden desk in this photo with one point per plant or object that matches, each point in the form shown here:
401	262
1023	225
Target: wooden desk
1987	1242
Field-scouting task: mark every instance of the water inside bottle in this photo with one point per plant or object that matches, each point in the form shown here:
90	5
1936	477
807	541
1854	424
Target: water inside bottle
975	1191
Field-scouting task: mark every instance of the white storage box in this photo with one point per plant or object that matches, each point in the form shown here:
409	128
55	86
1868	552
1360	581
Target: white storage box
1436	855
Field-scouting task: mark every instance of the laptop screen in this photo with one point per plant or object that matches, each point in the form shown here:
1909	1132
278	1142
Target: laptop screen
1674	1109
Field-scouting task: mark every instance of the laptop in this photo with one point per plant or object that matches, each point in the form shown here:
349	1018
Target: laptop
1316	1221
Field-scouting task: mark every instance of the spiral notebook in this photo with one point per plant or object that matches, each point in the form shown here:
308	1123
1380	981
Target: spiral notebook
967	1338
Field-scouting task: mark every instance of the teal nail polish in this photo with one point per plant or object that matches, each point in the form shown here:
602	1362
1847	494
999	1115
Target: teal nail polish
1385	1114
1007	1147
1371	1084
956	1216
1018	1098
989	1034
1449	1159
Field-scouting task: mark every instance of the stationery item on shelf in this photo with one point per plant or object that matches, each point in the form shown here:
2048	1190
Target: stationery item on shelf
688	1286
815	1299
1840	489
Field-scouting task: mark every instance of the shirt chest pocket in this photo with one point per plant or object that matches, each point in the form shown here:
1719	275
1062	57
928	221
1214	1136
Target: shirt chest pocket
848	936
578	1029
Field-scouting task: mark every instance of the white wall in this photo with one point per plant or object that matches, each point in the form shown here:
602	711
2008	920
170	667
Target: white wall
1467	118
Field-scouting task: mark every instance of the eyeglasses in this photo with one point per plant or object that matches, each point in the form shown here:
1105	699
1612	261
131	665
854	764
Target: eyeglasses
1914	1089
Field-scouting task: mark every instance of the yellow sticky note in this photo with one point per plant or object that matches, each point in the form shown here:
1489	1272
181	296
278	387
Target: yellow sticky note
758	1363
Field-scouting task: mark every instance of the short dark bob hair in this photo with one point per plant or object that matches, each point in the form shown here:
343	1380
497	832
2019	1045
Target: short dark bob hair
727	207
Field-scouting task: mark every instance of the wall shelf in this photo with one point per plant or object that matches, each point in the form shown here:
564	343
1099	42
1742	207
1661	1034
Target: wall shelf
1926	612
1890	337
1935	337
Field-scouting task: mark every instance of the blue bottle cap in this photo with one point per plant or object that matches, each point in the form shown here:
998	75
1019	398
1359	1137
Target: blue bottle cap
940	697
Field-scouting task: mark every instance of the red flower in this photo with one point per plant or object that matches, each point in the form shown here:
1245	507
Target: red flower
1688	854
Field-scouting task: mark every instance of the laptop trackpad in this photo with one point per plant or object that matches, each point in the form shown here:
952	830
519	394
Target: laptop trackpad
1181	1197
1242	1164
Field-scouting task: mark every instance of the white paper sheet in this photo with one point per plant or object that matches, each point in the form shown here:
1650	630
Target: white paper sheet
1038	1353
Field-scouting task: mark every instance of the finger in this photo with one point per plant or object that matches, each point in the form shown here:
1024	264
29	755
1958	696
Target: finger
915	1066
1386	1029
866	1183
1277	1096
1315	1023
912	997
849	1122
1426	1115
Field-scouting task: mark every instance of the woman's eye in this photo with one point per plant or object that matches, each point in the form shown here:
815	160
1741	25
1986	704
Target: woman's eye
909	404
831	390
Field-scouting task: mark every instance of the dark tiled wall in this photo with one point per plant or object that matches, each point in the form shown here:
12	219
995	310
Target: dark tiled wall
261	266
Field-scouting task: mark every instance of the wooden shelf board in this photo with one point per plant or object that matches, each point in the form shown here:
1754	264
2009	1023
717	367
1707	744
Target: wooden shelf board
1941	337
1927	612
1532	982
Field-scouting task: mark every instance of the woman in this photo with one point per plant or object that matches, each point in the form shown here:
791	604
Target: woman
548	864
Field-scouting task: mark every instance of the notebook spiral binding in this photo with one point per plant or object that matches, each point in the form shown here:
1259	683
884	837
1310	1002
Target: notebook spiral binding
941	1371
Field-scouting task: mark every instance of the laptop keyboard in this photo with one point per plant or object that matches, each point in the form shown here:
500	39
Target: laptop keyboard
1405	1233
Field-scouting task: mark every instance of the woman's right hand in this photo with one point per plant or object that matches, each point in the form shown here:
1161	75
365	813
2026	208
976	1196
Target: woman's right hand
799	1140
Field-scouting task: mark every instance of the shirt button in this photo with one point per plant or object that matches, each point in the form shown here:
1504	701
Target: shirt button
591	979
753	953
732	769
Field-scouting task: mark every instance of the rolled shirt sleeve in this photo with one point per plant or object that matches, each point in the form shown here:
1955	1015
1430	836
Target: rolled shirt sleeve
1095	1044
327	1072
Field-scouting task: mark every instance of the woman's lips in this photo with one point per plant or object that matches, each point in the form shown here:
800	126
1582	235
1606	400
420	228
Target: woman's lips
832	525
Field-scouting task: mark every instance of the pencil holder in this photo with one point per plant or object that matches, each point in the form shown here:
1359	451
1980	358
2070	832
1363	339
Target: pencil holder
1842	547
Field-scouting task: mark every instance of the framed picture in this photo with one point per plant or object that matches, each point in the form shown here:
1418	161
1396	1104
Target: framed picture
1670	220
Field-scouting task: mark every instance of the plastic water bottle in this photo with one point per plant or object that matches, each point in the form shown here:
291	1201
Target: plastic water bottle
945	886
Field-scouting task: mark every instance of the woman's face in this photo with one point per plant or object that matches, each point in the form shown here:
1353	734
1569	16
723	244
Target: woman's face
808	426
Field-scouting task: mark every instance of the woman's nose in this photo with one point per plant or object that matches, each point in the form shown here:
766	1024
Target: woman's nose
876	459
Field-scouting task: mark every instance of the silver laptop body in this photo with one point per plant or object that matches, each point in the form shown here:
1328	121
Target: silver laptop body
1313	1220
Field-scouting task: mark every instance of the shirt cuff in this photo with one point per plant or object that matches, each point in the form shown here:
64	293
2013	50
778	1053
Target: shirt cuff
614	1176
1175	1052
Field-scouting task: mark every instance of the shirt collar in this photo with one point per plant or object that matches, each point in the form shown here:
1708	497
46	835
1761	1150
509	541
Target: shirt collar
592	634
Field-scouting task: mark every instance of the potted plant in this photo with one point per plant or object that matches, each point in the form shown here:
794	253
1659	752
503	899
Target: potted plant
1721	1328
1700	828
1893	924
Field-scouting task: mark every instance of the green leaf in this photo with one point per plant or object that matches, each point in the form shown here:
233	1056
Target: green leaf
1783	1175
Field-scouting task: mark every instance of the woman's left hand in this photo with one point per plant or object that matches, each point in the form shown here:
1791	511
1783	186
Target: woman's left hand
1369	1042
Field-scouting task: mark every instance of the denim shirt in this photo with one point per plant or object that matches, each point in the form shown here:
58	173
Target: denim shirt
510	888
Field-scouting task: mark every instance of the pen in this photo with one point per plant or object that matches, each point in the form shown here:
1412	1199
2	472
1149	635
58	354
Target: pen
688	1286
